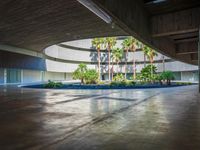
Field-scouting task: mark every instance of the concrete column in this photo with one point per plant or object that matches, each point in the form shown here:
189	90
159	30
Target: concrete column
5	76
199	58
163	62
22	76
42	75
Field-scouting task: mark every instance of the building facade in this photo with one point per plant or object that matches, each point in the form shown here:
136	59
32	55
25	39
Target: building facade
58	62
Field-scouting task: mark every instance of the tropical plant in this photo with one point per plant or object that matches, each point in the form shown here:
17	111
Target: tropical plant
117	55
133	44
146	73
110	42
98	44
126	47
123	83
163	62
150	53
79	73
119	77
52	84
167	76
91	76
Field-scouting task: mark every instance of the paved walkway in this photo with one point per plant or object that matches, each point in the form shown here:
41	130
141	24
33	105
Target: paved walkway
149	119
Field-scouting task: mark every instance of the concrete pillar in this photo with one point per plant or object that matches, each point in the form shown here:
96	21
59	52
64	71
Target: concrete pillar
22	76
163	62
5	76
199	58
42	73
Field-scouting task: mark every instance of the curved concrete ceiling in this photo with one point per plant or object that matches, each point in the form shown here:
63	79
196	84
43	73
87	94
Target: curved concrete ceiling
37	24
170	26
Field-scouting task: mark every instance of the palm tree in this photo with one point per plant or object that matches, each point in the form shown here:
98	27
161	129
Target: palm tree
150	53
163	61
126	47
117	55
110	42
98	44
141	46
134	43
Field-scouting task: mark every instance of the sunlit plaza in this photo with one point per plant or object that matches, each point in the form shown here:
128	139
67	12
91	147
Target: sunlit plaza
100	74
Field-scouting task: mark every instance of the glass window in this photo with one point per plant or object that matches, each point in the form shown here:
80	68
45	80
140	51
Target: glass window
13	76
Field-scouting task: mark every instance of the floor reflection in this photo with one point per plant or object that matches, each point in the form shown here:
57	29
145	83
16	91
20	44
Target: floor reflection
106	119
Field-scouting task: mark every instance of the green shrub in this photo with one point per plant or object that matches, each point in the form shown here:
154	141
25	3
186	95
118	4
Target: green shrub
100	82
52	84
91	76
183	83
115	83
131	83
88	76
79	73
119	77
148	73
124	83
167	76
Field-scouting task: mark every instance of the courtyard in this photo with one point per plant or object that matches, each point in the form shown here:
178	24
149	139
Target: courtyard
156	119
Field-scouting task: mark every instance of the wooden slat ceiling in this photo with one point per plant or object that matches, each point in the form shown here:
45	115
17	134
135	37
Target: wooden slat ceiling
186	43
167	6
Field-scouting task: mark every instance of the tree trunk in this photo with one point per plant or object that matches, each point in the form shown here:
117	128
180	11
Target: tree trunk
109	63
112	70
151	69
99	63
134	70
126	63
151	61
144	60
163	61
117	67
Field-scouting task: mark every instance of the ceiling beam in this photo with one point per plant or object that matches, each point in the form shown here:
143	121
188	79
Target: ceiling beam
183	40
180	22
186	53
186	48
186	35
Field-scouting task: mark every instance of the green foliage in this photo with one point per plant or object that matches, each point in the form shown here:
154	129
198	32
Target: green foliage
117	55
146	73
91	76
52	84
79	73
110	42
124	83
168	76
150	53
130	43
88	76
119	77
98	43
100	82
183	83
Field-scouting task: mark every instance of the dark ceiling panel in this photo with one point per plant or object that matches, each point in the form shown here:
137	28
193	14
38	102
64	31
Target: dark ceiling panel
170	6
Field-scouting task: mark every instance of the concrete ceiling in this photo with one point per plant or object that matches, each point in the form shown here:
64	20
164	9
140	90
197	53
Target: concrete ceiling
170	26
36	24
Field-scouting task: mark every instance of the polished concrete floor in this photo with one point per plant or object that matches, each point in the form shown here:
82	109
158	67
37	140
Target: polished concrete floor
144	119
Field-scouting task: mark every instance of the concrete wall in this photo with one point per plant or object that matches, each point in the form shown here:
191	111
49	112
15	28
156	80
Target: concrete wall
54	76
29	76
55	66
90	55
189	76
18	61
